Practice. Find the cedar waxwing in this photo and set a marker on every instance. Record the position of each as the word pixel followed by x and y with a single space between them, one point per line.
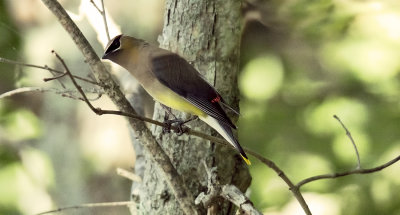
pixel 172 81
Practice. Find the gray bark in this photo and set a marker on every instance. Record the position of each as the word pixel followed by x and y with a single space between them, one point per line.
pixel 206 33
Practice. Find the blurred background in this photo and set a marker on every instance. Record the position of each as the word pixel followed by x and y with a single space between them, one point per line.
pixel 302 62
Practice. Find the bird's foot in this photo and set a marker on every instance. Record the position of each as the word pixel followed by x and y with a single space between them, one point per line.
pixel 181 129
pixel 168 124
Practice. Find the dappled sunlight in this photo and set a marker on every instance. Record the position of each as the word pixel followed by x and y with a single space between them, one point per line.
pixel 326 204
pixel 319 120
pixel 344 150
pixel 351 196
pixel 251 111
pixel 32 198
pixel 261 78
pixel 382 191
pixel 111 146
pixel 21 125
pixel 314 59
pixel 302 89
pixel 19 190
pixel 390 23
pixel 370 50
pixel 79 149
pixel 8 185
pixel 368 59
pixel 390 88
pixel 89 12
pixel 39 167
pixel 392 176
pixel 308 165
pixel 271 189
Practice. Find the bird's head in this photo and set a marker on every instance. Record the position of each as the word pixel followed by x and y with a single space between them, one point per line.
pixel 122 49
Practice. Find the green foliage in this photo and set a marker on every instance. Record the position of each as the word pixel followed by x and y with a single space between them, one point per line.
pixel 9 43
pixel 339 57
pixel 310 60
pixel 21 125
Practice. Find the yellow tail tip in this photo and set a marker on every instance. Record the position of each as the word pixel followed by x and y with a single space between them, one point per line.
pixel 246 160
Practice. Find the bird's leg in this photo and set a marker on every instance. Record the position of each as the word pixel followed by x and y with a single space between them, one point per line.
pixel 190 119
pixel 180 124
pixel 168 111
pixel 166 129
pixel 167 121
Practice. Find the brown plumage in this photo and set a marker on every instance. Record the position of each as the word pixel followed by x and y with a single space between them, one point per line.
pixel 172 81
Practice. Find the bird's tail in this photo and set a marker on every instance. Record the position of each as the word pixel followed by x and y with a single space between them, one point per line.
pixel 226 132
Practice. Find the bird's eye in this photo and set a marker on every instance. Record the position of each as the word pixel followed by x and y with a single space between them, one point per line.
pixel 115 44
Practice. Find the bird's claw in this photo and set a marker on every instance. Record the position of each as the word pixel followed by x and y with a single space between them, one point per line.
pixel 166 128
pixel 181 129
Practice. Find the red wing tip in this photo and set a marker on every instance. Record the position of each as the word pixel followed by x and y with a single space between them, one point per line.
pixel 216 99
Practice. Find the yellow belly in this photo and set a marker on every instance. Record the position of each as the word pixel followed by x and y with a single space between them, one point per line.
pixel 169 98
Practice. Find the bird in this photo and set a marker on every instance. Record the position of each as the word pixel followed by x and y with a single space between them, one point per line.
pixel 174 82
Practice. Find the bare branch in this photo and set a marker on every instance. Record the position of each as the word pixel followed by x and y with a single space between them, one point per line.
pixel 99 111
pixel 64 93
pixel 4 60
pixel 90 205
pixel 359 170
pixel 68 93
pixel 172 177
pixel 228 192
pixel 54 78
pixel 295 190
pixel 103 14
pixel 234 195
pixel 160 159
pixel 129 175
pixel 351 139
pixel 352 172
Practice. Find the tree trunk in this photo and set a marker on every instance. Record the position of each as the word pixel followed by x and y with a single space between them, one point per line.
pixel 207 34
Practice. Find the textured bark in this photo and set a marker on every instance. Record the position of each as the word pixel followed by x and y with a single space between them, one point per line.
pixel 206 33
pixel 158 157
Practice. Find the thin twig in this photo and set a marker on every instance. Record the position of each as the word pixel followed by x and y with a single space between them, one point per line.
pixel 118 98
pixel 99 111
pixel 54 78
pixel 90 205
pixel 295 190
pixel 79 88
pixel 168 172
pixel 351 139
pixel 103 14
pixel 161 160
pixel 129 175
pixel 352 172
pixel 269 163
pixel 4 60
pixel 105 20
pixel 65 93
pixel 58 80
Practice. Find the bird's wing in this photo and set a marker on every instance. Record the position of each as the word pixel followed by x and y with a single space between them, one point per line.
pixel 182 78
